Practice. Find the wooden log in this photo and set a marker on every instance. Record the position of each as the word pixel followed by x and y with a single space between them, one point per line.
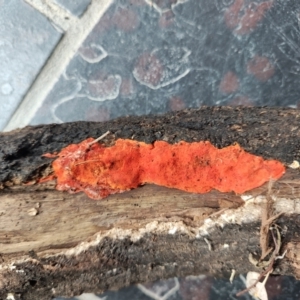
pixel 59 244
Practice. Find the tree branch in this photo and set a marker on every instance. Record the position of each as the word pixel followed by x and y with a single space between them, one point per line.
pixel 55 243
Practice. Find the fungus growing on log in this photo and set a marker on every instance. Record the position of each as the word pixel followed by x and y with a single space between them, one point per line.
pixel 195 167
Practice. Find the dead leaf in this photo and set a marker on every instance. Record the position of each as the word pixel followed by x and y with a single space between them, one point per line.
pixel 259 290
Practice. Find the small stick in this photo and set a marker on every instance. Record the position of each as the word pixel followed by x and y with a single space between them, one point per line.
pixel 87 161
pixel 208 244
pixel 281 256
pixel 100 138
pixel 218 212
pixel 90 144
pixel 232 275
pixel 265 273
pixel 269 270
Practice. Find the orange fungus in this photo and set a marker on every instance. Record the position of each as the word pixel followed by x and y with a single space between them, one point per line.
pixel 194 167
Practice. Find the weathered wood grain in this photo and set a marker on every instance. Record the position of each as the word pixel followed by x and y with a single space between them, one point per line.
pixel 54 243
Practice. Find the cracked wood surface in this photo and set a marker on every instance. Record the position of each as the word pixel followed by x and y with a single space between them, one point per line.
pixel 54 243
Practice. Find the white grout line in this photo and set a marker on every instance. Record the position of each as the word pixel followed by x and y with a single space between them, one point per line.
pixel 55 13
pixel 56 64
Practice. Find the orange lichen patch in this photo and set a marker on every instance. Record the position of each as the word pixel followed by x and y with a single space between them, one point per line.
pixel 261 68
pixel 245 17
pixel 176 103
pixel 194 167
pixel 50 155
pixel 28 183
pixel 229 83
pixel 47 178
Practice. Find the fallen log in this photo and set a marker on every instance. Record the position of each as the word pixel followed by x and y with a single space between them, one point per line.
pixel 59 244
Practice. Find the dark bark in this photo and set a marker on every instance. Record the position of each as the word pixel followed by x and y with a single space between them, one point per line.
pixel 148 233
pixel 268 132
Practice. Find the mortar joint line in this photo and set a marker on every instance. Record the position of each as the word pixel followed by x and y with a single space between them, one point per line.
pixel 59 16
pixel 78 30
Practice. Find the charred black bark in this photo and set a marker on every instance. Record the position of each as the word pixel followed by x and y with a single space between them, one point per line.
pixel 268 132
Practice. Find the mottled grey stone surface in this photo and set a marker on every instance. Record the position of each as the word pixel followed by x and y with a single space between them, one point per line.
pixel 26 40
pixel 199 288
pixel 76 7
pixel 152 56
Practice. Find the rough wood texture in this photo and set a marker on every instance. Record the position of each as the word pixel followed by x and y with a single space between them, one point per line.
pixel 54 243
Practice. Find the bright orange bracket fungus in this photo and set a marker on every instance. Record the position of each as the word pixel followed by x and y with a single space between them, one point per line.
pixel 194 167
